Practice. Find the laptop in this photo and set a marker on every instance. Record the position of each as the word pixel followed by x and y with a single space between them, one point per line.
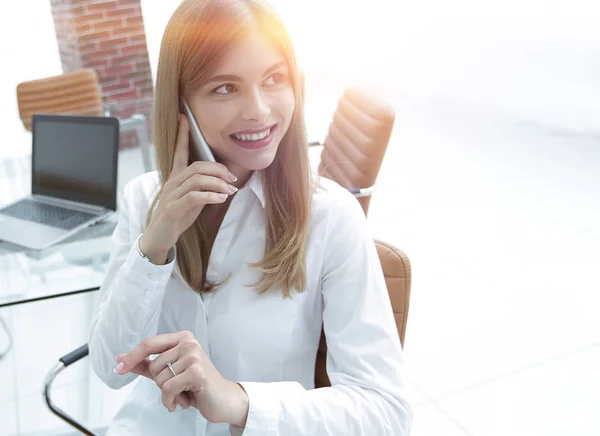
pixel 73 180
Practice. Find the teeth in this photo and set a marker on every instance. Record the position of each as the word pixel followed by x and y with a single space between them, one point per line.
pixel 253 136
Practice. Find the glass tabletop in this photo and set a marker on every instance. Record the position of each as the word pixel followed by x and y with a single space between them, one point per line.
pixel 74 265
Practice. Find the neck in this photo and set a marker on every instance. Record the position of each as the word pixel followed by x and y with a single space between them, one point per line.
pixel 242 174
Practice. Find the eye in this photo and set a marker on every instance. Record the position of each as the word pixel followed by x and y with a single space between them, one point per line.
pixel 275 79
pixel 228 88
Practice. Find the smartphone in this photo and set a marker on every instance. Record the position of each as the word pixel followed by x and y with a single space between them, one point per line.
pixel 203 151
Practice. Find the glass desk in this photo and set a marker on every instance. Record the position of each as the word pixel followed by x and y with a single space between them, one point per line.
pixel 73 266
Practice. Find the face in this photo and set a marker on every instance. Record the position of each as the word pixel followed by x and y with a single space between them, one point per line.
pixel 246 106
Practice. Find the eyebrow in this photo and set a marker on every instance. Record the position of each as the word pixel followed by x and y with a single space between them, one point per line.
pixel 234 78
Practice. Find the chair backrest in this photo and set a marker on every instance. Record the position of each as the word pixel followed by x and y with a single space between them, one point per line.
pixel 352 156
pixel 76 93
pixel 356 141
pixel 396 269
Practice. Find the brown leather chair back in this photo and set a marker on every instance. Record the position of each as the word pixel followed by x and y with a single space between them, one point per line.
pixel 357 140
pixel 76 93
pixel 352 155
pixel 396 269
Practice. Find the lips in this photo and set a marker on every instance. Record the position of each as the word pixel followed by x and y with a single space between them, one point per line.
pixel 252 135
pixel 254 139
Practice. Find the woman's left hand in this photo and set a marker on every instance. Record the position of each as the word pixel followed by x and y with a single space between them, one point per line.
pixel 197 382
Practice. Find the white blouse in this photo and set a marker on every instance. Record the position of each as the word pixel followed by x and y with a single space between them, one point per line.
pixel 263 341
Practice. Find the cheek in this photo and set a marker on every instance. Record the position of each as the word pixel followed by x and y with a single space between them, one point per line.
pixel 215 119
pixel 286 105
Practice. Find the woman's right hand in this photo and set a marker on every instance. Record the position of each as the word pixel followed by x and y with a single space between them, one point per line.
pixel 184 195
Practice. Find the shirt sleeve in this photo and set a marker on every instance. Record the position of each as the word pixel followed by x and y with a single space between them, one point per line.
pixel 364 361
pixel 130 295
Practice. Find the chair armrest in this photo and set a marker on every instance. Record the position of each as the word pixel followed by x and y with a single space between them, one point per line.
pixel 357 192
pixel 64 362
pixel 75 355
pixel 363 192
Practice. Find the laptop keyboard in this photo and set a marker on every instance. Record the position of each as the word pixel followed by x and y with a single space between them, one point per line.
pixel 47 214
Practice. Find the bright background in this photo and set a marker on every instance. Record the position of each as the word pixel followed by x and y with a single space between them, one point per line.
pixel 490 185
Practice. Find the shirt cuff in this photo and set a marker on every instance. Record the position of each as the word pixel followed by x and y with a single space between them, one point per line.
pixel 143 272
pixel 263 410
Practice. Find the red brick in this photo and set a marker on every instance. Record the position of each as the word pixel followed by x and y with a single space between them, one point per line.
pixel 98 64
pixel 128 2
pixel 102 6
pixel 118 71
pixel 84 28
pixel 137 75
pixel 109 36
pixel 100 54
pixel 113 42
pixel 88 48
pixel 122 95
pixel 137 48
pixel 122 86
pixel 136 29
pixel 143 64
pixel 131 58
pixel 124 12
pixel 140 37
pixel 88 18
pixel 93 36
pixel 147 91
pixel 78 11
pixel 130 21
pixel 144 81
pixel 107 24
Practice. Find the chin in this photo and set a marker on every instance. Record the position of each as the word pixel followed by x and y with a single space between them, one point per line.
pixel 257 163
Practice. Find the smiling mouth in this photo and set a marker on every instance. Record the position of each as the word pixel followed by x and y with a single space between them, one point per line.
pixel 247 137
pixel 253 141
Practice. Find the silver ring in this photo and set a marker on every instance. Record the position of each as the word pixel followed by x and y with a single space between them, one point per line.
pixel 170 365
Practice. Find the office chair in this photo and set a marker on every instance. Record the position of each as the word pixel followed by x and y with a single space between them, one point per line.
pixel 76 93
pixel 355 145
pixel 352 154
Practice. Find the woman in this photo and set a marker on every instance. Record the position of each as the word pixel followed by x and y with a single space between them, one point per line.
pixel 226 271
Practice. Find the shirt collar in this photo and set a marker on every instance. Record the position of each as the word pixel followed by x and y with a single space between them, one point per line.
pixel 255 184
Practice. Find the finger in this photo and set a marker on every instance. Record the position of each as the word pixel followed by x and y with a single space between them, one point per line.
pixel 214 169
pixel 159 364
pixel 200 182
pixel 182 150
pixel 153 345
pixel 194 199
pixel 164 374
pixel 177 385
pixel 143 368
pixel 169 402
pixel 184 400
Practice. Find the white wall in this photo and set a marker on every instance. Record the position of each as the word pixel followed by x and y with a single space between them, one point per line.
pixel 529 60
pixel 28 50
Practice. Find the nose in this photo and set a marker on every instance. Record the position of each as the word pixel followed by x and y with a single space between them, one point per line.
pixel 256 107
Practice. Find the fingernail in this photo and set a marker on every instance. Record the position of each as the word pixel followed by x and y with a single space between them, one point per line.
pixel 233 188
pixel 222 197
pixel 119 367
pixel 232 177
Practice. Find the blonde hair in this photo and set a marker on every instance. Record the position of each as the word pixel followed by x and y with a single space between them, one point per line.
pixel 197 36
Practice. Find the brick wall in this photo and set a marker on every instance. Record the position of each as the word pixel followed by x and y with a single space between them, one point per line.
pixel 108 36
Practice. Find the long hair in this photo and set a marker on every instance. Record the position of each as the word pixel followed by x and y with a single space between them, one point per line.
pixel 197 36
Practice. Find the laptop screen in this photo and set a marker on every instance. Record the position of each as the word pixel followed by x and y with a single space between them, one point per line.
pixel 75 158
